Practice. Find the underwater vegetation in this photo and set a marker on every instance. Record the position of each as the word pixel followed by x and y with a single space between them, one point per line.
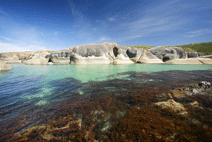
pixel 122 111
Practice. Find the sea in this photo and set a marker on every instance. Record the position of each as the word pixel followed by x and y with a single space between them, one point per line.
pixel 32 94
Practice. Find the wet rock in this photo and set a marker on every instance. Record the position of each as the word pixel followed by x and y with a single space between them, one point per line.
pixel 164 96
pixel 178 107
pixel 195 104
pixel 195 91
pixel 205 84
pixel 178 93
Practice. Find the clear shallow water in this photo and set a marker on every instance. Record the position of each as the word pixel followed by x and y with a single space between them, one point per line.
pixel 25 88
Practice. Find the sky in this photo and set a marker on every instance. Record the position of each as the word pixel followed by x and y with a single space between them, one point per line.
pixel 33 25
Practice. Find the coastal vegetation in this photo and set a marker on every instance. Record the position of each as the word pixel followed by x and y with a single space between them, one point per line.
pixel 205 48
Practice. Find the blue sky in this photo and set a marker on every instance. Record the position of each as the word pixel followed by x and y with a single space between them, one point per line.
pixel 32 25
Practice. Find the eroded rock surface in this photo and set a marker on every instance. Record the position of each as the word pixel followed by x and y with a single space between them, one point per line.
pixel 4 66
pixel 38 58
pixel 168 53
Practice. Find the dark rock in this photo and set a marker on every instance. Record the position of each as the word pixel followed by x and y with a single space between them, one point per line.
pixel 168 53
pixel 192 54
pixel 204 84
pixel 159 51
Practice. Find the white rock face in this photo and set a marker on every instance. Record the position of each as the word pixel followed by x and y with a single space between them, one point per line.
pixel 37 61
pixel 184 61
pixel 4 66
pixel 206 61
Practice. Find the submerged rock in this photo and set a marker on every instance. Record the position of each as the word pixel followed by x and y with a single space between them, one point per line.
pixel 4 66
pixel 205 84
pixel 178 107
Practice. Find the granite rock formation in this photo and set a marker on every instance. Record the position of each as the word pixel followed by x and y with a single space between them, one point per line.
pixel 60 57
pixel 15 57
pixel 168 53
pixel 110 53
pixel 4 66
pixel 90 54
pixel 38 58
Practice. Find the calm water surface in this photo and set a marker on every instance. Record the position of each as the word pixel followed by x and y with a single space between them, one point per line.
pixel 25 90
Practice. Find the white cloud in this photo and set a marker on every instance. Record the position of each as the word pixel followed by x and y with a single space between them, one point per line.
pixel 198 32
pixel 111 19
pixel 155 19
pixel 8 47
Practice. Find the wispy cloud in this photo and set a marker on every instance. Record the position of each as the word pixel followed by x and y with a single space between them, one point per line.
pixel 156 20
pixel 9 47
pixel 111 19
pixel 3 12
pixel 55 33
pixel 198 32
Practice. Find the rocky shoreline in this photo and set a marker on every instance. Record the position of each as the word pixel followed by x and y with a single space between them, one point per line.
pixel 105 53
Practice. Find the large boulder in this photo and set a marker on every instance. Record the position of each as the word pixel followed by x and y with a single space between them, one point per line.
pixel 192 55
pixel 38 58
pixel 168 53
pixel 121 56
pixel 10 57
pixel 105 53
pixel 36 61
pixel 140 55
pixel 90 54
pixel 159 51
pixel 19 57
pixel 4 66
pixel 61 56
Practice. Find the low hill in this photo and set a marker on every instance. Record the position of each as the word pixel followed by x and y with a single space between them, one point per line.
pixel 205 48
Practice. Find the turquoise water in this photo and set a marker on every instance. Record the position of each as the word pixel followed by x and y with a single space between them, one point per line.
pixel 86 73
pixel 24 88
